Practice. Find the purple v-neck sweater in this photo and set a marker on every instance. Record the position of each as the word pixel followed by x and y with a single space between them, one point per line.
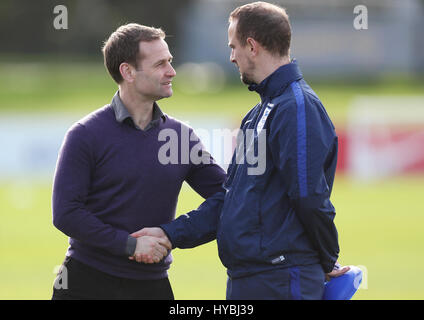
pixel 109 183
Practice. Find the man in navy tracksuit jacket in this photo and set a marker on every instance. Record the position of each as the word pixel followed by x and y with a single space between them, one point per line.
pixel 273 225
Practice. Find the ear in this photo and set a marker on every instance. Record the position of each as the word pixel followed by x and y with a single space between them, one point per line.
pixel 253 46
pixel 127 71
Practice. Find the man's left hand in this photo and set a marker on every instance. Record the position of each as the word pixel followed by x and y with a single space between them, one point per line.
pixel 338 271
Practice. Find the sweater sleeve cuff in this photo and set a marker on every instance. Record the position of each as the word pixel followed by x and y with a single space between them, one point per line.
pixel 130 247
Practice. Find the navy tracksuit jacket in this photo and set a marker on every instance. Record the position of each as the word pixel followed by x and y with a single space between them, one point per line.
pixel 281 217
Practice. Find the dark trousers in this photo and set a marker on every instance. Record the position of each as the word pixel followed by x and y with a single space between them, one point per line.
pixel 296 283
pixel 82 282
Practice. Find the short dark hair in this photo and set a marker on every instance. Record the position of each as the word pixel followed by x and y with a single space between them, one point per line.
pixel 123 46
pixel 267 23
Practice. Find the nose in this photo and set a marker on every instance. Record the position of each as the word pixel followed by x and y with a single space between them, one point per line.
pixel 171 72
pixel 232 57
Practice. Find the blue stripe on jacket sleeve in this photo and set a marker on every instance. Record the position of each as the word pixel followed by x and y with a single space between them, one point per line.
pixel 301 139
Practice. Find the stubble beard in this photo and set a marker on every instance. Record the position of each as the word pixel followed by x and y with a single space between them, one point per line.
pixel 246 77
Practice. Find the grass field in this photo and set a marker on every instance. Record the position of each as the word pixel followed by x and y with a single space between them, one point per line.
pixel 380 227
pixel 380 223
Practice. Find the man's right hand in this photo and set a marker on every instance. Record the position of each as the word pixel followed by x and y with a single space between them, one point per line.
pixel 150 249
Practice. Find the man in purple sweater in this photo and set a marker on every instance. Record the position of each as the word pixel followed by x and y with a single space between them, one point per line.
pixel 110 179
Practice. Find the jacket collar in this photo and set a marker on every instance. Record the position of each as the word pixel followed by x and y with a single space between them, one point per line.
pixel 277 81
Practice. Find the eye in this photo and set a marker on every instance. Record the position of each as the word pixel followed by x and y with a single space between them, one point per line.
pixel 163 62
pixel 160 63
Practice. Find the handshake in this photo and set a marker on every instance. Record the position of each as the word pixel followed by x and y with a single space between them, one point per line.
pixel 152 245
